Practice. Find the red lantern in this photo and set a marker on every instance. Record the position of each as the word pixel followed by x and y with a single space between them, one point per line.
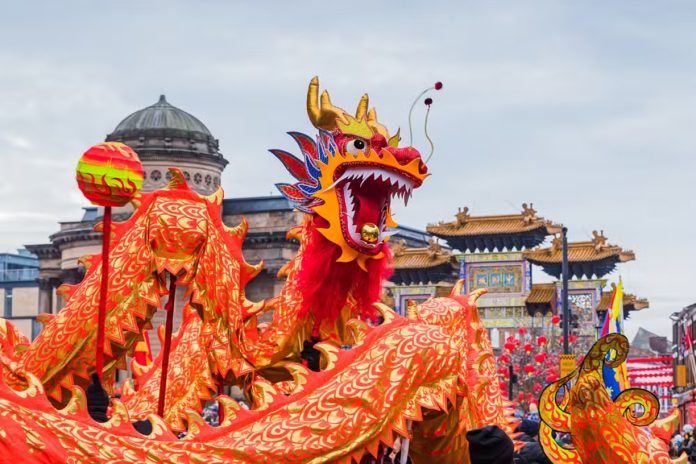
pixel 516 368
pixel 109 174
pixel 555 319
pixel 520 397
pixel 504 358
pixel 503 386
pixel 537 387
pixel 528 368
pixel 510 347
pixel 572 338
pixel 541 340
pixel 540 357
pixel 528 347
pixel 551 378
pixel 522 330
pixel 506 374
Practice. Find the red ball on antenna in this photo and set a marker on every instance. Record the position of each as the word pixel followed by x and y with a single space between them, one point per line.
pixel 438 85
pixel 428 101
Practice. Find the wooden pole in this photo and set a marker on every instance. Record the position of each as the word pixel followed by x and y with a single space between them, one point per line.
pixel 564 294
pixel 169 326
pixel 101 317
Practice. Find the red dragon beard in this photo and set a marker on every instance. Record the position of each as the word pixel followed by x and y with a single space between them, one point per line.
pixel 327 285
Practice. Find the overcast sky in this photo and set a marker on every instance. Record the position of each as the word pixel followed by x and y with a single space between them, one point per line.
pixel 587 109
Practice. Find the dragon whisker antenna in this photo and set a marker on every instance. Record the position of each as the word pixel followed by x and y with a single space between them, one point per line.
pixel 428 102
pixel 437 86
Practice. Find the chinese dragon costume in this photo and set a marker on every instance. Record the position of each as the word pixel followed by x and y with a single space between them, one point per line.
pixel 429 377
pixel 622 431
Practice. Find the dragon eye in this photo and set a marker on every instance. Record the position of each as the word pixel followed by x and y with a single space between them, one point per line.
pixel 354 146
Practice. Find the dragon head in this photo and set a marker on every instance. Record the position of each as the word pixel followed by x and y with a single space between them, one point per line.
pixel 349 176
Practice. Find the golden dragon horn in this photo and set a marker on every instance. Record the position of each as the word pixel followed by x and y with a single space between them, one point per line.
pixel 362 107
pixel 323 114
pixel 373 124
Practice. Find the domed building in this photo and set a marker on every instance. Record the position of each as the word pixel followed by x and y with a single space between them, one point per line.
pixel 164 136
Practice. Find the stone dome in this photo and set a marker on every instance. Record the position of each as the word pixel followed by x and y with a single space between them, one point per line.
pixel 165 136
pixel 161 115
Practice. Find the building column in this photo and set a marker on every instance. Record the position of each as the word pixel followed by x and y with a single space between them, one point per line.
pixel 46 295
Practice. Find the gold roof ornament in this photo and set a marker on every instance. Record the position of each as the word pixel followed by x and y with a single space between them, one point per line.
pixel 434 248
pixel 462 215
pixel 398 248
pixel 599 240
pixel 528 213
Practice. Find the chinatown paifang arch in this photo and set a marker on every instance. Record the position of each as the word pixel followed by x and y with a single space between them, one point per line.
pixel 334 376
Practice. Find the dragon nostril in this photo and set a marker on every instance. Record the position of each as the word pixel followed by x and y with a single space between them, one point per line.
pixel 422 167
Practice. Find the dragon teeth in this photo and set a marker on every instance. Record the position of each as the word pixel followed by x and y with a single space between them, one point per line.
pixel 399 186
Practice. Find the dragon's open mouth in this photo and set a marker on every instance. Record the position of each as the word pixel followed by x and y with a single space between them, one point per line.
pixel 365 191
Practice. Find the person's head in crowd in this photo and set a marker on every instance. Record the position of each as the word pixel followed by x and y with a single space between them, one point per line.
pixel 532 453
pixel 490 445
pixel 529 428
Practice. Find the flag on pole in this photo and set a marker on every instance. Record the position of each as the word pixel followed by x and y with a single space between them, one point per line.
pixel 689 350
pixel 615 378
pixel 688 343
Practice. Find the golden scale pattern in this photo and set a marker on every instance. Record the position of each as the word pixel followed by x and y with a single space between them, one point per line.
pixel 370 392
pixel 434 371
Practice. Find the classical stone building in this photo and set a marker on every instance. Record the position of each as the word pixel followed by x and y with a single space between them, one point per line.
pixel 165 136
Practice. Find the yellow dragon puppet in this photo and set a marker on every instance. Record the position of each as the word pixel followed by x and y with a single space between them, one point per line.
pixel 604 431
pixel 429 377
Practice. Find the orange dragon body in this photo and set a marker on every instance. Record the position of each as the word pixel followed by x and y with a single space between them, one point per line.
pixel 430 377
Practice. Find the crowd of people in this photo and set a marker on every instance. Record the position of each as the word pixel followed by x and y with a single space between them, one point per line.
pixel 684 442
